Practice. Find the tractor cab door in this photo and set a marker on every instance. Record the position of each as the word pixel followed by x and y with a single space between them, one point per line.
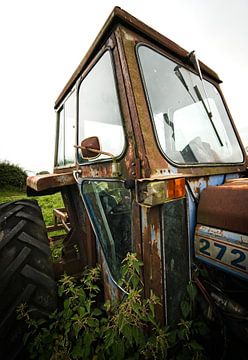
pixel 103 165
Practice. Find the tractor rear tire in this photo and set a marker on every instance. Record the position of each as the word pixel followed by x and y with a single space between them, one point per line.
pixel 26 273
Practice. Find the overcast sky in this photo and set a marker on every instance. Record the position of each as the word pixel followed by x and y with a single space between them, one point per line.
pixel 43 41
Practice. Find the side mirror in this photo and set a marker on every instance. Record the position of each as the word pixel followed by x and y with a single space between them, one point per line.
pixel 90 148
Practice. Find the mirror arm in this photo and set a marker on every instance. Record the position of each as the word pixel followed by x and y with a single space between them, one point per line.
pixel 115 166
pixel 95 151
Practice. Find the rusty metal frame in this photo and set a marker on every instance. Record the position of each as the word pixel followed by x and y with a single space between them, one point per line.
pixel 41 183
pixel 117 17
pixel 60 222
pixel 109 47
pixel 215 83
pixel 158 164
pixel 60 216
pixel 125 33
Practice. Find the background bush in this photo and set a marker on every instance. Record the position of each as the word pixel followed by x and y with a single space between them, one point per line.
pixel 12 175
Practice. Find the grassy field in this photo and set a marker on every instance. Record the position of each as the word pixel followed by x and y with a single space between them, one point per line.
pixel 47 203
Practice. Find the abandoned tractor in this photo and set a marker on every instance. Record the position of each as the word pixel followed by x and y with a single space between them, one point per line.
pixel 148 160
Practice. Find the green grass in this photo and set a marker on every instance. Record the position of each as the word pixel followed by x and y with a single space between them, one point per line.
pixel 47 204
pixel 10 193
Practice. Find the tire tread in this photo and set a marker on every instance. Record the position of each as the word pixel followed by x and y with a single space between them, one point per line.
pixel 26 273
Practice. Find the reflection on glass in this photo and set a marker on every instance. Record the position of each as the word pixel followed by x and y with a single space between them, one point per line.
pixel 109 207
pixel 70 128
pixel 61 146
pixel 99 112
pixel 67 132
pixel 190 127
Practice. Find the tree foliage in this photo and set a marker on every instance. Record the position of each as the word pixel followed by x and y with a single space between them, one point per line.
pixel 12 175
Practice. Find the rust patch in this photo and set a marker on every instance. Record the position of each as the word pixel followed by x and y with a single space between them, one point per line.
pixel 72 267
pixel 153 271
pixel 148 153
pixel 43 182
pixel 119 16
pixel 225 207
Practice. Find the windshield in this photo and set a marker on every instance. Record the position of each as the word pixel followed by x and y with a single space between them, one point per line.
pixel 190 122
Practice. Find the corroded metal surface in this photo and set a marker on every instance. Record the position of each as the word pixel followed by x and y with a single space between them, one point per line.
pixel 79 243
pixel 72 267
pixel 43 182
pixel 60 216
pixel 152 256
pixel 225 207
pixel 153 163
pixel 128 166
pixel 149 154
pixel 142 157
pixel 119 16
pixel 60 222
pixel 134 132
pixel 159 233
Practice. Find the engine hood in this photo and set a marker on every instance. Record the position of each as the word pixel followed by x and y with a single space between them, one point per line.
pixel 225 206
pixel 221 234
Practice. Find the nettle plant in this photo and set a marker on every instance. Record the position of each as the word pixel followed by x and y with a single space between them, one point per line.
pixel 84 328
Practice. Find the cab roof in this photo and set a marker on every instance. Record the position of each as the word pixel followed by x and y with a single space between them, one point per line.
pixel 120 17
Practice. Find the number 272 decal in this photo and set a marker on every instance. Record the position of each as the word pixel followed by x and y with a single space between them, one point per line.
pixel 226 254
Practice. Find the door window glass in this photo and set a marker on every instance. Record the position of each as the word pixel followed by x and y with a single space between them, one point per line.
pixel 99 111
pixel 109 207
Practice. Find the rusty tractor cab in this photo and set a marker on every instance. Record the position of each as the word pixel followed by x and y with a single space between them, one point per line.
pixel 148 160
